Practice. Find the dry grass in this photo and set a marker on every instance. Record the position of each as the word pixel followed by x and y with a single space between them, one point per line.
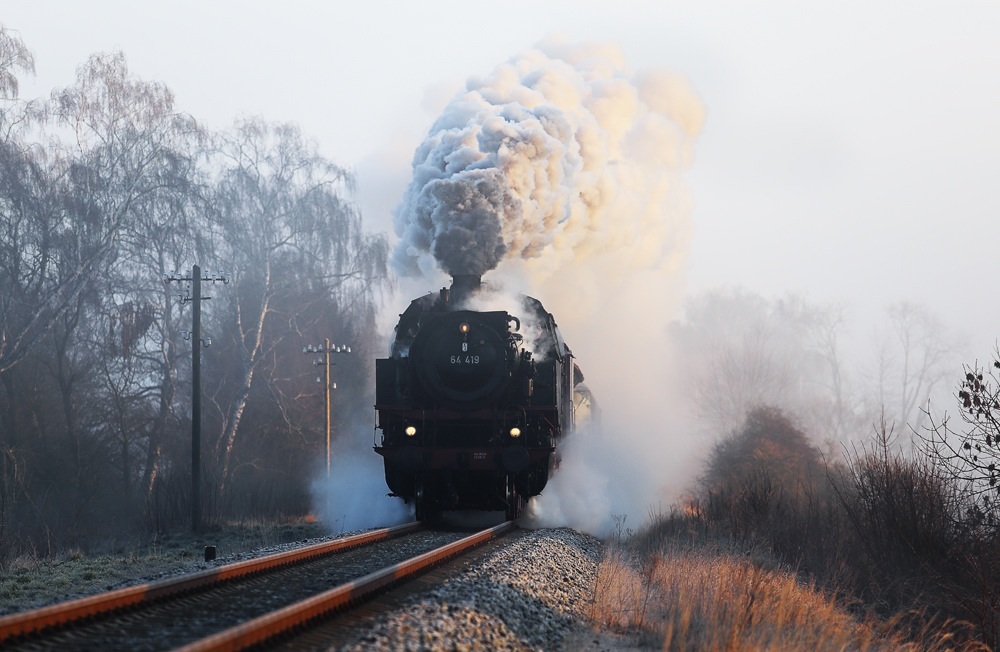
pixel 691 598
pixel 882 530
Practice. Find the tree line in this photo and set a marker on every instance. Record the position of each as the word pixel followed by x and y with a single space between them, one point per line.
pixel 743 351
pixel 106 190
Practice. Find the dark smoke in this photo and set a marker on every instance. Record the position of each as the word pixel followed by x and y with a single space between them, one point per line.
pixel 467 210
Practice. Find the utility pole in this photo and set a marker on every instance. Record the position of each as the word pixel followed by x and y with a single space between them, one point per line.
pixel 326 350
pixel 195 334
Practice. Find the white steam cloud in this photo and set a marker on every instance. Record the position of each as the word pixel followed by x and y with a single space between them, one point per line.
pixel 353 497
pixel 554 156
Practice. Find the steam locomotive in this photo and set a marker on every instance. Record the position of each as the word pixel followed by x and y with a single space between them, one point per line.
pixel 470 406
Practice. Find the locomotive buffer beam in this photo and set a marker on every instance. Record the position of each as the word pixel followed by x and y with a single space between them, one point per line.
pixel 509 459
pixel 444 414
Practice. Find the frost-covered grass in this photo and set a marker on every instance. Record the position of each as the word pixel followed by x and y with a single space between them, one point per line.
pixel 31 581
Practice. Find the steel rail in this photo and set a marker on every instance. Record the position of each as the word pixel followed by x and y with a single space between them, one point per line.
pixel 261 629
pixel 63 613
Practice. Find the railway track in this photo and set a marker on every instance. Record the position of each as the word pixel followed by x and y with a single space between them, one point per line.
pixel 239 605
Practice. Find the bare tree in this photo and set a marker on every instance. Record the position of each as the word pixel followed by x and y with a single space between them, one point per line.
pixel 14 55
pixel 284 227
pixel 912 361
pixel 743 351
pixel 15 114
pixel 967 460
pixel 128 169
pixel 84 217
pixel 123 191
pixel 164 234
pixel 122 135
pixel 840 408
pixel 970 456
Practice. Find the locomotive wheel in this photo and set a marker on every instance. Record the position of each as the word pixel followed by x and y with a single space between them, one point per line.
pixel 515 501
pixel 425 512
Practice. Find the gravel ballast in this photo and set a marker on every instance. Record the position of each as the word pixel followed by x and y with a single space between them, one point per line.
pixel 531 594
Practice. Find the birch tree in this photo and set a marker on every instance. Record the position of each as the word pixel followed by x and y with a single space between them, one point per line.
pixel 285 227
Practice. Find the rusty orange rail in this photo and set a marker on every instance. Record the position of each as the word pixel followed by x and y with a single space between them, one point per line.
pixel 277 622
pixel 67 612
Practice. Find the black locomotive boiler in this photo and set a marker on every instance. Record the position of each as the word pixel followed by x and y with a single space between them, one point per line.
pixel 470 408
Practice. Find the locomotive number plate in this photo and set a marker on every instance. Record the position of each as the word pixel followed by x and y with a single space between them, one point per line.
pixel 479 455
pixel 465 359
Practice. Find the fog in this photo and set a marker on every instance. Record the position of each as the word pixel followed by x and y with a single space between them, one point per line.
pixel 848 154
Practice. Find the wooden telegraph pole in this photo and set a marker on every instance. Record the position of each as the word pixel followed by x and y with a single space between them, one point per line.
pixel 326 350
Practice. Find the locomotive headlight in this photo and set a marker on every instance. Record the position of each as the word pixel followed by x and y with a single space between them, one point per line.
pixel 410 431
pixel 463 328
pixel 515 432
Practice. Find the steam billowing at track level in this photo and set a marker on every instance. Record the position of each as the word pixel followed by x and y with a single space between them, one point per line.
pixel 556 155
pixel 470 414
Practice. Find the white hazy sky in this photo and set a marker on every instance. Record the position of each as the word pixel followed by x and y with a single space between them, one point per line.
pixel 851 150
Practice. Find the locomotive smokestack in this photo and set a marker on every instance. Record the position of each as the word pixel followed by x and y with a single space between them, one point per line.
pixel 464 286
